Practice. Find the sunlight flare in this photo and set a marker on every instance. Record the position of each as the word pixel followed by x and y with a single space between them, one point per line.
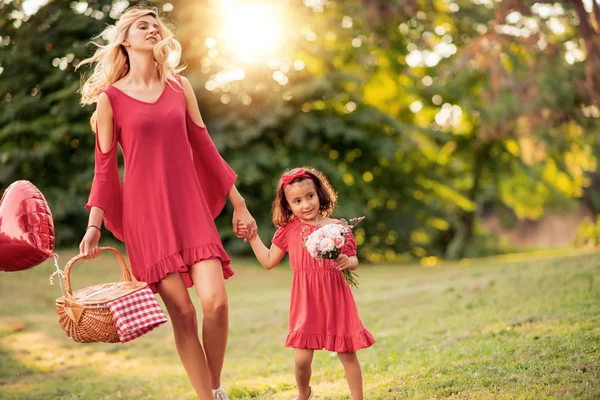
pixel 252 32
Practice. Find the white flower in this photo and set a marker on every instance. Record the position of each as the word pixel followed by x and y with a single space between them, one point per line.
pixel 326 244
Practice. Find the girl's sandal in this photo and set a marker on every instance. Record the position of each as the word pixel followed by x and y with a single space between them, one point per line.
pixel 310 394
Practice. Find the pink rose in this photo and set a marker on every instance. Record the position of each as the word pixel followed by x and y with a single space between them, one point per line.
pixel 311 246
pixel 339 242
pixel 326 245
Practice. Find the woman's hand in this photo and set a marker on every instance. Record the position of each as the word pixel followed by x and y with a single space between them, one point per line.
pixel 244 225
pixel 89 244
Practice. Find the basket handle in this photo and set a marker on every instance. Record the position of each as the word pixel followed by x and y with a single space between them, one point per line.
pixel 126 277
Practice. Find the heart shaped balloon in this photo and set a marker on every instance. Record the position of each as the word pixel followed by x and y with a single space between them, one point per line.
pixel 26 227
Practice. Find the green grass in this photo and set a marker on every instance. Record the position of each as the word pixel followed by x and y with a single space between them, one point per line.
pixel 502 328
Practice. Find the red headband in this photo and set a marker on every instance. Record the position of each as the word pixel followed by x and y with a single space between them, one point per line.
pixel 287 179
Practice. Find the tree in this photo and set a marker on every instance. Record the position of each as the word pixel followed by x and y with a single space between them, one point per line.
pixel 422 114
pixel 310 105
pixel 499 80
pixel 45 136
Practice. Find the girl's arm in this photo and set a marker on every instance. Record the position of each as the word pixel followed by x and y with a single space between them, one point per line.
pixel 268 258
pixel 345 262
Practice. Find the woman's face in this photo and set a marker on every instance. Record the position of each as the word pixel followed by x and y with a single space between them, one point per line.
pixel 143 34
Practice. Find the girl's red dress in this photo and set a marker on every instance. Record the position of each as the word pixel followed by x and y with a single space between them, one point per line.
pixel 323 313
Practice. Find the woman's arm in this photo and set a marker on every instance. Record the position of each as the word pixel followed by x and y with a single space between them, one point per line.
pixel 268 258
pixel 244 225
pixel 89 244
pixel 91 238
pixel 105 123
pixel 96 215
pixel 191 102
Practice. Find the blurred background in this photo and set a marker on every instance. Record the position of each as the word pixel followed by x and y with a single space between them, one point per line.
pixel 462 129
pixel 458 128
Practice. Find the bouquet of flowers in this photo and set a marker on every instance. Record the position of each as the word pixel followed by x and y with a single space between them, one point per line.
pixel 327 242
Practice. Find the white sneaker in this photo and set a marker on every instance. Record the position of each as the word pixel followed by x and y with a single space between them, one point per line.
pixel 220 394
pixel 310 394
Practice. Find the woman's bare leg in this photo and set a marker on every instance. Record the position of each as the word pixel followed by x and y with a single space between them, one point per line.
pixel 210 287
pixel 185 327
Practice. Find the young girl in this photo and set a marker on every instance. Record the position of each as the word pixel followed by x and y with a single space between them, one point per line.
pixel 323 314
pixel 176 183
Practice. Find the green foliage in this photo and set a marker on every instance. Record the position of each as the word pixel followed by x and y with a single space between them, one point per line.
pixel 588 234
pixel 421 114
pixel 521 130
pixel 45 136
pixel 320 118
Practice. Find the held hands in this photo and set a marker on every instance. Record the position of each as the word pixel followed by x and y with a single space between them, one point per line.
pixel 343 262
pixel 244 225
pixel 89 244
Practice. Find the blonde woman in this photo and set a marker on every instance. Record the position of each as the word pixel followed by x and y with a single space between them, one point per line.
pixel 175 184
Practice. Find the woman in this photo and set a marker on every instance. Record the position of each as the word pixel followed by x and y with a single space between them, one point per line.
pixel 175 184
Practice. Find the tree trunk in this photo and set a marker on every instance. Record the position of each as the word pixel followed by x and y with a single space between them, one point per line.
pixel 465 235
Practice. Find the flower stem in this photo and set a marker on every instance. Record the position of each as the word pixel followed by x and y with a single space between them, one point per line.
pixel 350 277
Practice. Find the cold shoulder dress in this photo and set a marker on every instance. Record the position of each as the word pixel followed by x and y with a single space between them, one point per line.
pixel 174 186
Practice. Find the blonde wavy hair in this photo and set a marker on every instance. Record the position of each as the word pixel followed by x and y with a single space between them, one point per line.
pixel 112 62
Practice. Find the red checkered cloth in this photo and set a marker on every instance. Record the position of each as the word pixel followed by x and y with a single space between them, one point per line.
pixel 136 314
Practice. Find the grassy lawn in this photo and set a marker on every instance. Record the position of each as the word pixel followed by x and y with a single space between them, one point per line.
pixel 505 328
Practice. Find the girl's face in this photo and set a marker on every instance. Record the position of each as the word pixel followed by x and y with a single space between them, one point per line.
pixel 303 200
pixel 143 34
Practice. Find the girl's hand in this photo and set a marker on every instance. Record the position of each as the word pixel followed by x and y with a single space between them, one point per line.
pixel 245 232
pixel 343 262
pixel 89 244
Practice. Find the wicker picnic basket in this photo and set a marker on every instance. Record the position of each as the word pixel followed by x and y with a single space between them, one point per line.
pixel 84 314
